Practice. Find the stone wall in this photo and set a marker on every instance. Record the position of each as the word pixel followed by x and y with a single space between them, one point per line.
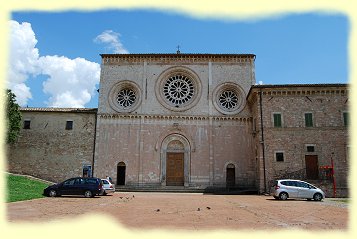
pixel 138 140
pixel 47 150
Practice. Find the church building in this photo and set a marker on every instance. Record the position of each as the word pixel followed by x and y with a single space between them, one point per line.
pixel 191 122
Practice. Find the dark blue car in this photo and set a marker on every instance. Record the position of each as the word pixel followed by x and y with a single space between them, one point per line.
pixel 89 187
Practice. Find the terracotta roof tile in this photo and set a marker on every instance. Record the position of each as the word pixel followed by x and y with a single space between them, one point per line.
pixel 66 110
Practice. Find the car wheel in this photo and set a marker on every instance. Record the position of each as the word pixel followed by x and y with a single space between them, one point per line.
pixel 88 194
pixel 52 193
pixel 317 197
pixel 104 193
pixel 283 196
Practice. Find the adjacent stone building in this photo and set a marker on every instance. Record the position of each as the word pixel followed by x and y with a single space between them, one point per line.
pixel 54 143
pixel 191 121
pixel 300 131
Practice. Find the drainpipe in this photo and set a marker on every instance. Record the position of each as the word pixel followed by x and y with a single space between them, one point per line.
pixel 262 138
pixel 94 141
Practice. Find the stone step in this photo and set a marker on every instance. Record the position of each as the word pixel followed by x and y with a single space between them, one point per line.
pixel 179 189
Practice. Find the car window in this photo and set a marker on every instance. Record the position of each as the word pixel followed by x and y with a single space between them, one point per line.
pixel 69 182
pixel 79 181
pixel 290 183
pixel 90 181
pixel 311 186
pixel 105 182
pixel 302 185
pixel 293 183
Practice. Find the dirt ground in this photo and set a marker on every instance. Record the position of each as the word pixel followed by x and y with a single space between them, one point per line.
pixel 190 211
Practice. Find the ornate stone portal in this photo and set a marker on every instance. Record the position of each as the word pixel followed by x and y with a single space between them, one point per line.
pixel 172 145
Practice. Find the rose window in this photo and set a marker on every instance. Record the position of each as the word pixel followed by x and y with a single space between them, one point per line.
pixel 228 99
pixel 126 97
pixel 179 89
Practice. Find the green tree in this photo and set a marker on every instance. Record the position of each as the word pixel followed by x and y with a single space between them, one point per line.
pixel 13 117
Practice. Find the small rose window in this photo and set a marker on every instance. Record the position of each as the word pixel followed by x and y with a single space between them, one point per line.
pixel 125 96
pixel 229 98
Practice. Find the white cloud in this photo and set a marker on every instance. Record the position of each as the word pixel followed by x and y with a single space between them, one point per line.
pixel 23 60
pixel 70 82
pixel 112 39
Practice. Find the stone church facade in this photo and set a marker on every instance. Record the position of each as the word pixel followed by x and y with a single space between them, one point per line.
pixel 190 121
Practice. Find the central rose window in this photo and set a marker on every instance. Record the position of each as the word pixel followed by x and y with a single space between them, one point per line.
pixel 179 89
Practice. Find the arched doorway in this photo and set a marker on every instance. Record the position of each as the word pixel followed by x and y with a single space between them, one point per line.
pixel 175 163
pixel 175 158
pixel 230 175
pixel 121 167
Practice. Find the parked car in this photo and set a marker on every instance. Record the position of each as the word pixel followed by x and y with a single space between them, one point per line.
pixel 89 187
pixel 289 188
pixel 108 187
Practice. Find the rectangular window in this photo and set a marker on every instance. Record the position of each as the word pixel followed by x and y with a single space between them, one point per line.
pixel 310 148
pixel 277 119
pixel 69 125
pixel 308 120
pixel 279 156
pixel 27 124
pixel 345 118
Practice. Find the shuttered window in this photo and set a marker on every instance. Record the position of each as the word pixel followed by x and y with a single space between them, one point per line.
pixel 277 119
pixel 345 118
pixel 308 120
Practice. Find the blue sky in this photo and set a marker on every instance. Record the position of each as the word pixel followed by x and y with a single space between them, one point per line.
pixel 296 48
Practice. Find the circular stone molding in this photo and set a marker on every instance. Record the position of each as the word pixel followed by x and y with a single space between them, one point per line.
pixel 125 96
pixel 178 89
pixel 229 98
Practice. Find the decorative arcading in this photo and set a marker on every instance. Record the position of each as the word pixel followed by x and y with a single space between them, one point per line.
pixel 306 92
pixel 182 58
pixel 174 117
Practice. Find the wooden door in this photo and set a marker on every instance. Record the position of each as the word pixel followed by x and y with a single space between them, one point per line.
pixel 174 169
pixel 312 169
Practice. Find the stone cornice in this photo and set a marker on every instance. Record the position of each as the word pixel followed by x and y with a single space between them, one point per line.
pixel 298 90
pixel 113 59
